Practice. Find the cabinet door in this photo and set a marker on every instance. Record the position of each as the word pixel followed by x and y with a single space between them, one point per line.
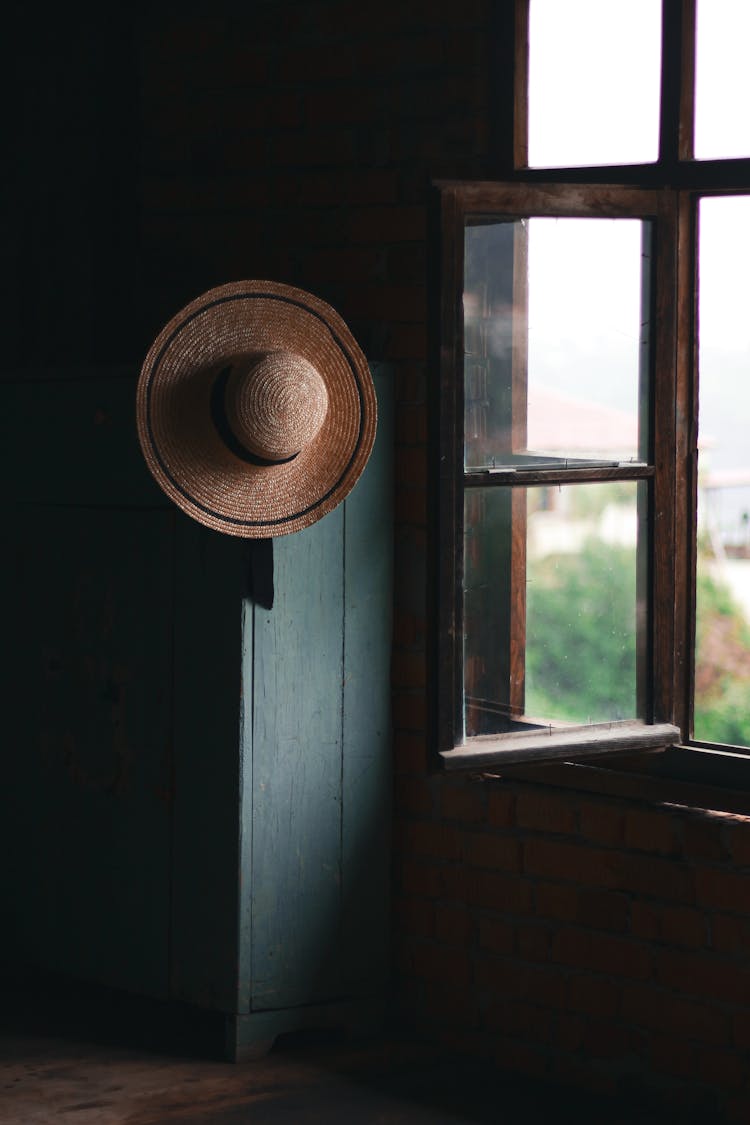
pixel 317 753
pixel 297 662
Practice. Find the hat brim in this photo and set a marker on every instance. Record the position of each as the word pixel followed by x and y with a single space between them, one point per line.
pixel 184 448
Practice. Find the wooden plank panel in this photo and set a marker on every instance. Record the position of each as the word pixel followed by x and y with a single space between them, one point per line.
pixel 89 817
pixel 368 583
pixel 296 786
pixel 209 575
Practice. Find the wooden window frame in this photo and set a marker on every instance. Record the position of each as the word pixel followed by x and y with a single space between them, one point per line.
pixel 671 187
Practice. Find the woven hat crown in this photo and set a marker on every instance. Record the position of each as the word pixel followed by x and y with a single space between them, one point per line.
pixel 277 406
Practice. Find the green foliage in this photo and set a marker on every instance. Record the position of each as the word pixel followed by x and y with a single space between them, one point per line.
pixel 725 716
pixel 722 674
pixel 581 635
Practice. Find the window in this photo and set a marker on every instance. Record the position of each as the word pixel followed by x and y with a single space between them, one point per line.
pixel 580 535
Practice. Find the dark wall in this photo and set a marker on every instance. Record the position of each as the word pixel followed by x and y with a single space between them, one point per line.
pixel 597 938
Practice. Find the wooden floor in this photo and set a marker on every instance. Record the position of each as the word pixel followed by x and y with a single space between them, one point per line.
pixel 71 1082
pixel 73 1062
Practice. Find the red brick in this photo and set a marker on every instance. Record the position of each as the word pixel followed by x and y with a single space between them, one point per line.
pixel 600 952
pixel 406 261
pixel 730 934
pixel 439 962
pixel 513 1017
pixel 348 263
pixel 593 995
pixel 673 1056
pixel 406 341
pixel 411 464
pixel 737 1108
pixel 739 841
pixel 388 301
pixel 319 188
pixel 509 978
pixel 434 839
pixel 741 1030
pixel 411 508
pixel 405 628
pixel 573 862
pixel 651 831
pixel 603 910
pixel 520 1058
pixel 556 900
pixel 314 147
pixel 606 1040
pixel 492 890
pixel 446 1002
pixel 409 710
pixel 570 1072
pixel 653 877
pixel 496 934
pixel 484 849
pixel 703 975
pixel 314 63
pixel 467 803
pixel 672 925
pixel 411 423
pixel 412 795
pixel 410 752
pixel 533 941
pixel 723 1068
pixel 723 890
pixel 416 916
pixel 203 193
pixel 412 52
pixel 570 1031
pixel 408 669
pixel 453 924
pixel 601 823
pixel 660 1010
pixel 410 382
pixel 459 1041
pixel 428 96
pixel 705 838
pixel 387 224
pixel 545 812
pixel 359 105
pixel 426 880
pixel 500 808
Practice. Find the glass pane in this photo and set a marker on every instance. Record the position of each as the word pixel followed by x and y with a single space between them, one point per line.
pixel 556 340
pixel 722 662
pixel 594 82
pixel 722 79
pixel 554 613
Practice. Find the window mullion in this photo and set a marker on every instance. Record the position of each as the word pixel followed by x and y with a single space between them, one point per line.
pixel 686 412
pixel 521 86
pixel 669 562
pixel 686 126
pixel 677 84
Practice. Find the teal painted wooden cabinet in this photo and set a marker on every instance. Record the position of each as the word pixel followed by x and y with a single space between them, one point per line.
pixel 197 798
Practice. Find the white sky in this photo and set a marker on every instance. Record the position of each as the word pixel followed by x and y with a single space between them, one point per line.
pixel 594 81
pixel 594 99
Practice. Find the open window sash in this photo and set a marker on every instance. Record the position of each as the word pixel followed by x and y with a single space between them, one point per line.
pixel 549 471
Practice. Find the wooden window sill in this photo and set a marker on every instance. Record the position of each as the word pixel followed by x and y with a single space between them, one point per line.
pixel 559 744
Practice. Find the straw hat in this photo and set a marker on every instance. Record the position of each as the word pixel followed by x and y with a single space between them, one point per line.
pixel 256 410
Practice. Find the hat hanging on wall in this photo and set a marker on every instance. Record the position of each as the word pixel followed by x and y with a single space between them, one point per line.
pixel 256 409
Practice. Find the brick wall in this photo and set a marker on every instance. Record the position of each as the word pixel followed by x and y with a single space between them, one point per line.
pixel 597 940
pixel 594 940
pixel 590 939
